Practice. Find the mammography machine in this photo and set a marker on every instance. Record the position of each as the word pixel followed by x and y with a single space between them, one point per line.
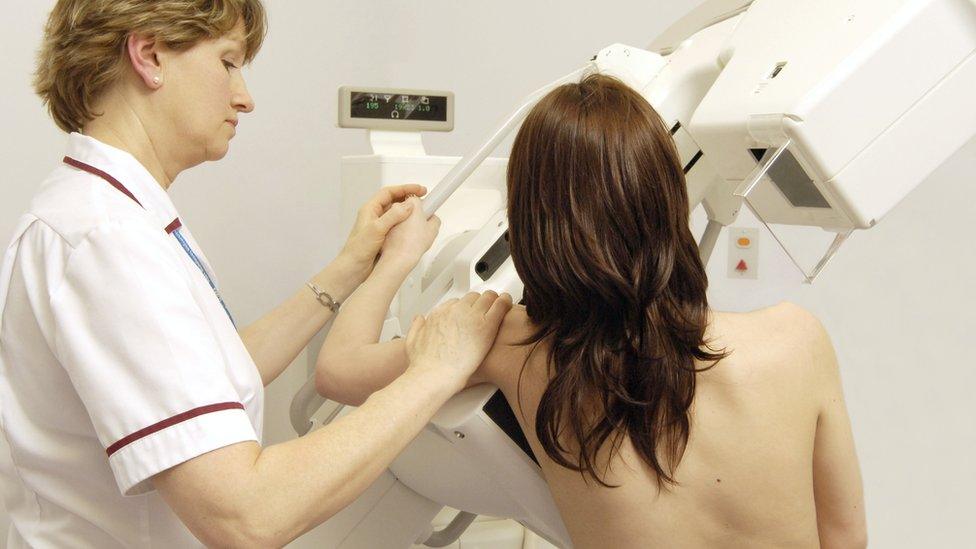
pixel 817 115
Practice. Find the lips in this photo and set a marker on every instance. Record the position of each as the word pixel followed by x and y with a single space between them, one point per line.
pixel 232 123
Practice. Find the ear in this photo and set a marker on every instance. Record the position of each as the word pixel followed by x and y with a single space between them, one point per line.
pixel 143 56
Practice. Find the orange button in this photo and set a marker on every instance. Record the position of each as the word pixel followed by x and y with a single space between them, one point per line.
pixel 744 242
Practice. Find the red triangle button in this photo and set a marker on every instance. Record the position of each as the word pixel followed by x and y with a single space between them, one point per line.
pixel 742 265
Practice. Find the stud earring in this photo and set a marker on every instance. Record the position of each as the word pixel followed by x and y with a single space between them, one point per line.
pixel 157 80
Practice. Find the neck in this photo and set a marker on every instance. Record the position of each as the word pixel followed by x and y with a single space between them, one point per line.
pixel 121 127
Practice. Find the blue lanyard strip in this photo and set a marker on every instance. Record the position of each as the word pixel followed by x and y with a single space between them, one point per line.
pixel 199 264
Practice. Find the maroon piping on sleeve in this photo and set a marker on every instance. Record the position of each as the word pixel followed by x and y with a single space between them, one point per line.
pixel 178 418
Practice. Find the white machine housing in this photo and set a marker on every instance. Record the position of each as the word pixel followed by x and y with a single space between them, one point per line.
pixel 871 96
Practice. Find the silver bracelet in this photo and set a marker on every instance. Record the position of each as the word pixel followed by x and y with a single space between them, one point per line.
pixel 324 297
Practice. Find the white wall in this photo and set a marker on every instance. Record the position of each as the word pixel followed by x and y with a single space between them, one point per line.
pixel 897 299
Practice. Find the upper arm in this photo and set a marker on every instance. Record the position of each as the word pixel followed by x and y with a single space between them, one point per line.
pixel 142 356
pixel 504 361
pixel 210 494
pixel 837 483
pixel 350 377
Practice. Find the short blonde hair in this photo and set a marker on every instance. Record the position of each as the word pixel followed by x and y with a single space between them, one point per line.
pixel 83 52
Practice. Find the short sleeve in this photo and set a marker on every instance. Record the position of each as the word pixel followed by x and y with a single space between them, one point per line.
pixel 141 355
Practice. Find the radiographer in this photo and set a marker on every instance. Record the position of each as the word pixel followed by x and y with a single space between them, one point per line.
pixel 131 402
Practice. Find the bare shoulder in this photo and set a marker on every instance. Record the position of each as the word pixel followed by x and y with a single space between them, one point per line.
pixel 784 324
pixel 796 322
pixel 803 330
pixel 785 337
pixel 506 358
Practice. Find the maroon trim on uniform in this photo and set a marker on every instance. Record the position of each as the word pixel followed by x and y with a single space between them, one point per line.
pixel 95 171
pixel 173 226
pixel 178 418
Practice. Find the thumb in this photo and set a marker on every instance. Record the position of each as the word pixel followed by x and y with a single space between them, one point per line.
pixel 415 327
pixel 433 226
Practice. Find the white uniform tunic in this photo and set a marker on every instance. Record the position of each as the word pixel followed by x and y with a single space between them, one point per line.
pixel 117 359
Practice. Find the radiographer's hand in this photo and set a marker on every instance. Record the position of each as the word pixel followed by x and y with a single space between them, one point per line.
pixel 408 241
pixel 453 339
pixel 374 221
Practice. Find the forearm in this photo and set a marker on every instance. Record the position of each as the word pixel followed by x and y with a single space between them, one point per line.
pixel 352 363
pixel 301 483
pixel 275 339
pixel 361 319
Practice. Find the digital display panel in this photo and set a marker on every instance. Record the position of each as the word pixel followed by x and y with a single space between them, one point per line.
pixel 388 106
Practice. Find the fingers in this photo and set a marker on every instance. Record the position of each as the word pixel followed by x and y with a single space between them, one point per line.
pixel 399 192
pixel 499 308
pixel 455 337
pixel 489 304
pixel 387 196
pixel 484 302
pixel 470 298
pixel 396 214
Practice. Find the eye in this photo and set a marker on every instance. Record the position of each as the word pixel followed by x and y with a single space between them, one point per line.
pixel 228 65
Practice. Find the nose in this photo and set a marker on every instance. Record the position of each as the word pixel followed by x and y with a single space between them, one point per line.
pixel 241 99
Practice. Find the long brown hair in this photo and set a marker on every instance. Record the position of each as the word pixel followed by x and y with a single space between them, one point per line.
pixel 598 222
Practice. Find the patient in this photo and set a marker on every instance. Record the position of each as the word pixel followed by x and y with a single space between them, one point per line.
pixel 657 421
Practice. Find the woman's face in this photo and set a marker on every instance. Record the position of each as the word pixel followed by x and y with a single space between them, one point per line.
pixel 203 94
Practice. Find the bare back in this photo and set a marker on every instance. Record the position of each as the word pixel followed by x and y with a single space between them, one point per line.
pixel 770 447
